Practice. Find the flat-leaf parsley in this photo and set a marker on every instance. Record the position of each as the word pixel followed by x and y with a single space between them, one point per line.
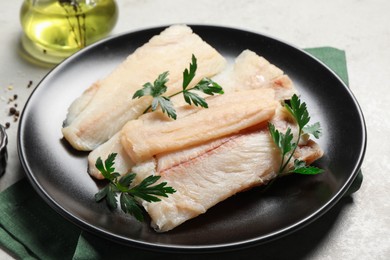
pixel 284 141
pixel 158 89
pixel 127 195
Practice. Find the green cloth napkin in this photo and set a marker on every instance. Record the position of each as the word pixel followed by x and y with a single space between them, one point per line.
pixel 30 229
pixel 333 58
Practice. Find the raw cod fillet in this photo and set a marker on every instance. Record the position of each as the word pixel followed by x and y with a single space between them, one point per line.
pixel 226 114
pixel 249 71
pixel 107 105
pixel 210 173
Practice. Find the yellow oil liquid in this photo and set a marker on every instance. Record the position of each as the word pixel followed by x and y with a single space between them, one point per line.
pixel 54 30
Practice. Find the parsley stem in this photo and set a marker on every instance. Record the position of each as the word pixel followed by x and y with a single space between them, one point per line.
pixel 283 166
pixel 283 163
pixel 177 93
pixel 146 110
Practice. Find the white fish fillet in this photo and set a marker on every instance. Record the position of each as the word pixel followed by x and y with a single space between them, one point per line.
pixel 249 71
pixel 208 174
pixel 226 114
pixel 104 108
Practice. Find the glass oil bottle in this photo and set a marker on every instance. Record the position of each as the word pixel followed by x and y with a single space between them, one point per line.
pixel 55 29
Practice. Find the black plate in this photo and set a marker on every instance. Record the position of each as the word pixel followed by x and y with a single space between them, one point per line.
pixel 59 174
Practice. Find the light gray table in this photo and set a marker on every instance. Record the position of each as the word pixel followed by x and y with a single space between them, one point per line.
pixel 361 227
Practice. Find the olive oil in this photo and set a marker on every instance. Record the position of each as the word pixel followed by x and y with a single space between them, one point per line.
pixel 55 29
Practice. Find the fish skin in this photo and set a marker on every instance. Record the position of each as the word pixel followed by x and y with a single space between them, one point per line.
pixel 102 115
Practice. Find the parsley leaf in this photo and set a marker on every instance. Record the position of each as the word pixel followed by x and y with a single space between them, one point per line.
pixel 107 169
pixel 194 98
pixel 298 110
pixel 166 106
pixel 145 191
pixel 301 168
pixel 208 87
pixel 283 141
pixel 188 75
pixel 310 170
pixel 314 129
pixel 205 85
pixel 127 195
pixel 130 206
pixel 156 89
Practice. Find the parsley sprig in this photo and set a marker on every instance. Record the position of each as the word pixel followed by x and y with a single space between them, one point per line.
pixel 127 196
pixel 284 141
pixel 158 89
